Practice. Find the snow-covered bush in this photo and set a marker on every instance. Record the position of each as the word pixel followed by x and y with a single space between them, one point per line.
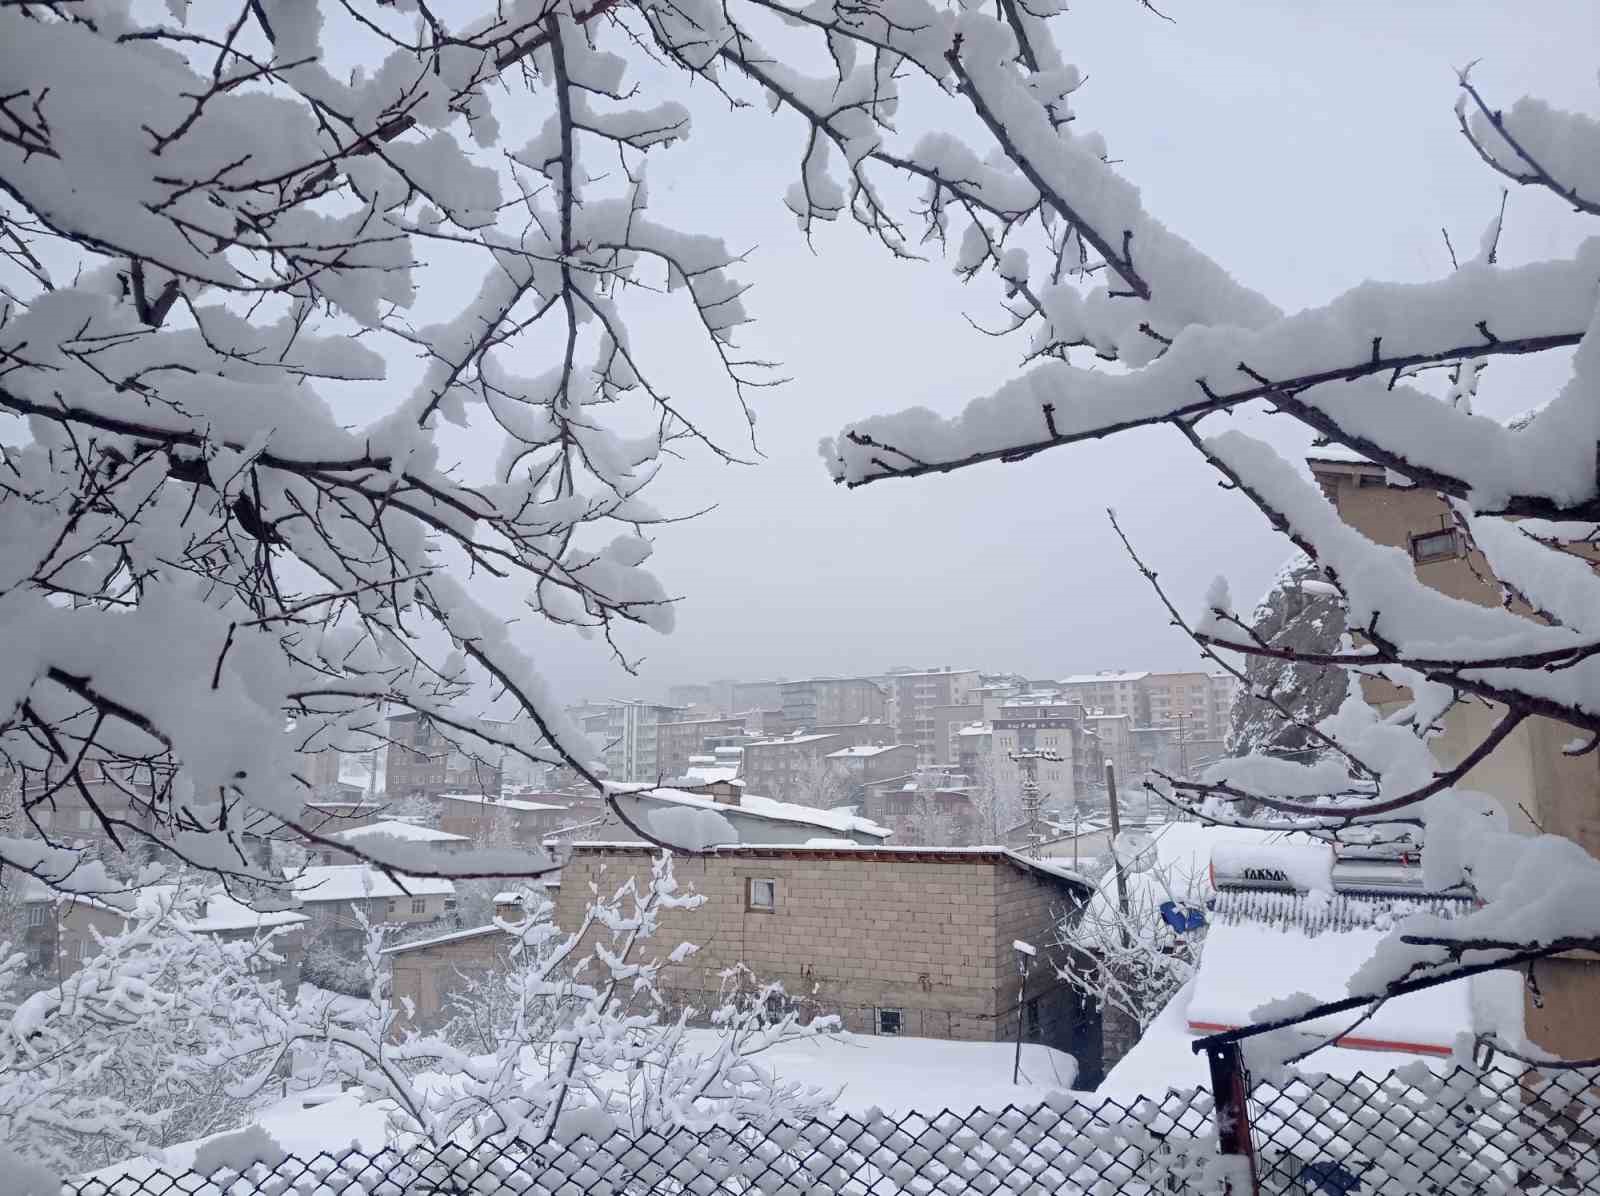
pixel 327 968
pixel 139 1048
pixel 572 1024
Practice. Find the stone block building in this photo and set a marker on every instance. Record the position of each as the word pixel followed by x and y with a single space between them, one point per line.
pixel 893 940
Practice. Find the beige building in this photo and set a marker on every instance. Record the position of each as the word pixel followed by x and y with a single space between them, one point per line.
pixel 1048 723
pixel 425 973
pixel 1528 773
pixel 894 941
pixel 822 701
pixel 914 696
pixel 1109 693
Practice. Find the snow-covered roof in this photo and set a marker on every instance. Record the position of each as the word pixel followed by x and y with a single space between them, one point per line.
pixel 355 882
pixel 1050 868
pixel 752 805
pixel 788 739
pixel 709 774
pixel 862 750
pixel 1101 678
pixel 394 828
pixel 454 936
pixel 976 729
pixel 1282 945
pixel 502 803
pixel 1337 453
pixel 210 910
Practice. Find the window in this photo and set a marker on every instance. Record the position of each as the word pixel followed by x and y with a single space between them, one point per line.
pixel 889 1022
pixel 85 820
pixel 763 894
pixel 419 905
pixel 36 912
pixel 1435 546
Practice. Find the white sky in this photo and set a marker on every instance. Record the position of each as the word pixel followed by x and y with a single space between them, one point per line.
pixel 1305 146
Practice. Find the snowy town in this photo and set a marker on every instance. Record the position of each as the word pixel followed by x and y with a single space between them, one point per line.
pixel 899 598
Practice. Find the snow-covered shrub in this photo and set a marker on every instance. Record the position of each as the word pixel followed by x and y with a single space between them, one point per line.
pixel 330 969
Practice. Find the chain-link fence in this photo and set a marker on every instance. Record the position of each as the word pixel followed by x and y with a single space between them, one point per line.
pixel 1475 1129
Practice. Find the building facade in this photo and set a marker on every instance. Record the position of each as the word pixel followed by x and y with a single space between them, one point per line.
pixel 1110 693
pixel 1045 723
pixel 916 695
pixel 676 742
pixel 791 768
pixel 908 942
pixel 422 762
pixel 824 701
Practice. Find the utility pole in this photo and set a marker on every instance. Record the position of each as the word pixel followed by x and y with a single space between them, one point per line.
pixel 1032 799
pixel 1116 860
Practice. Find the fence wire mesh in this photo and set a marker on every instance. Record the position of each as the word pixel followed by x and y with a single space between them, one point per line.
pixel 1478 1130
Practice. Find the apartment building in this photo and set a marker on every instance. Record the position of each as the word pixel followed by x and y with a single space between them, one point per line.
pixel 677 742
pixel 1110 692
pixel 830 700
pixel 1528 772
pixel 1042 722
pixel 915 696
pixel 505 821
pixel 783 767
pixel 1199 704
pixel 422 762
pixel 894 941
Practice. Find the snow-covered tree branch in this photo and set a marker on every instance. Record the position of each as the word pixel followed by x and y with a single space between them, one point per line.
pixel 1357 372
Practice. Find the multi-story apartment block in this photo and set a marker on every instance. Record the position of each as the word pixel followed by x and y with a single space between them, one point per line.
pixel 422 762
pixel 915 695
pixel 625 734
pixel 1046 723
pixel 822 701
pixel 894 941
pixel 1112 693
pixel 677 742
pixel 754 695
pixel 786 768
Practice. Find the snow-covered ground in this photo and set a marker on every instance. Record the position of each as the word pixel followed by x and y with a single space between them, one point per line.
pixel 896 1075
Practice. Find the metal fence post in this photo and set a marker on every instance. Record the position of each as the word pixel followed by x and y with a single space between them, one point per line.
pixel 1230 1094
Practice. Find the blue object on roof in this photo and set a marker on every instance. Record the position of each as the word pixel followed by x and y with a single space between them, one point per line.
pixel 1328 1178
pixel 1182 918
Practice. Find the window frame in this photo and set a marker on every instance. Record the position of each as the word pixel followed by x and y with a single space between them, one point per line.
pixel 419 905
pixel 899 1016
pixel 750 903
pixel 1416 539
pixel 37 914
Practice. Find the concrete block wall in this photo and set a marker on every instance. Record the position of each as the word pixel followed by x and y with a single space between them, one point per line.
pixel 852 932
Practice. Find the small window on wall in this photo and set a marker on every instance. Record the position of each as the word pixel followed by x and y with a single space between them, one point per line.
pixel 419 905
pixel 763 894
pixel 36 913
pixel 889 1022
pixel 1435 546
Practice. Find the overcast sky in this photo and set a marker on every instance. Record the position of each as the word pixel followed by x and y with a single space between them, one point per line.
pixel 1305 146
